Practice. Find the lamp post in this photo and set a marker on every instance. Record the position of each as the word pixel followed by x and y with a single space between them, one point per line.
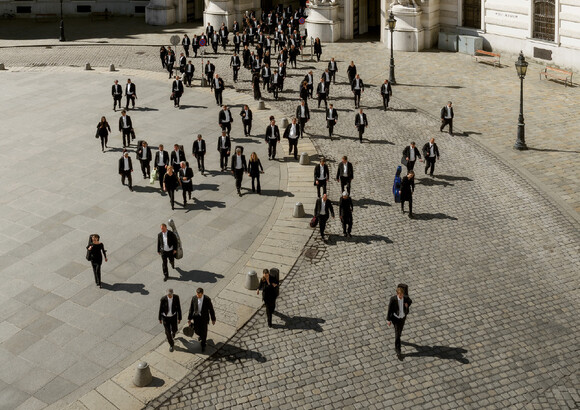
pixel 521 68
pixel 61 38
pixel 392 23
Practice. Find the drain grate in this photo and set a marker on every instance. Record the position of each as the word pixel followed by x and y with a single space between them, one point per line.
pixel 311 253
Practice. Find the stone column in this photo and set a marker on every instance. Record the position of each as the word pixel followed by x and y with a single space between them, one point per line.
pixel 160 13
pixel 218 12
pixel 323 21
pixel 409 32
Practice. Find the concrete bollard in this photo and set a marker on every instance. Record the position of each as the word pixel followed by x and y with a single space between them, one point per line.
pixel 88 67
pixel 304 159
pixel 2 67
pixel 252 281
pixel 143 375
pixel 112 67
pixel 261 105
pixel 284 123
pixel 203 82
pixel 298 210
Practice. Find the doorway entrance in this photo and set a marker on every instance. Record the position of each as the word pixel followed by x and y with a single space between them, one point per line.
pixel 366 19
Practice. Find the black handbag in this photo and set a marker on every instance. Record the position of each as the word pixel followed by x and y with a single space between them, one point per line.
pixel 404 160
pixel 172 96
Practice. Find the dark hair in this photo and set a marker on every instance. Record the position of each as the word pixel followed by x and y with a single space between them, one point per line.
pixel 199 290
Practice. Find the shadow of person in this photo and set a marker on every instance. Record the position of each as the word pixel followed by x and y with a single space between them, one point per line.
pixel 452 178
pixel 299 322
pixel 126 287
pixel 365 202
pixel 205 205
pixel 428 217
pixel 195 275
pixel 432 182
pixel 276 192
pixel 441 352
pixel 235 354
pixel 145 188
pixel 366 239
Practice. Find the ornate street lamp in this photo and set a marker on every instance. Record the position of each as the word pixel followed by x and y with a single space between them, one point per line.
pixel 61 38
pixel 392 23
pixel 521 68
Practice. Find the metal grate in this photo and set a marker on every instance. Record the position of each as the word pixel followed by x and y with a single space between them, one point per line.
pixel 472 13
pixel 544 19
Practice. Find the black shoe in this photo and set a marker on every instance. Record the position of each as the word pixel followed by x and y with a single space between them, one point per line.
pixel 164 278
pixel 411 216
pixel 203 348
pixel 171 348
pixel 173 265
pixel 345 234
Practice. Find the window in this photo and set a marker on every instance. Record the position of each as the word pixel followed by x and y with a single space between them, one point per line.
pixel 472 13
pixel 544 19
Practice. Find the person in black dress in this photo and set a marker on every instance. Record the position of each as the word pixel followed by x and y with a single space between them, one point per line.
pixel 96 251
pixel 254 170
pixel 317 48
pixel 345 212
pixel 269 288
pixel 256 86
pixel 103 130
pixel 170 184
pixel 407 188
pixel 163 56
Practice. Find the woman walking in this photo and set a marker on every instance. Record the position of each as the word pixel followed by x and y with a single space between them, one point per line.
pixel 256 86
pixel 95 252
pixel 317 48
pixel 269 288
pixel 304 93
pixel 170 184
pixel 103 130
pixel 163 56
pixel 254 170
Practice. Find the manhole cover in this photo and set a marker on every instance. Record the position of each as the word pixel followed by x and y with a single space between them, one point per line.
pixel 311 253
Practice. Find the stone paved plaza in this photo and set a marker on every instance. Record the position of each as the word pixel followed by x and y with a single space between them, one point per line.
pixel 491 257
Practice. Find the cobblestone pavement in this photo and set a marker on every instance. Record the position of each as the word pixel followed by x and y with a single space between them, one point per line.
pixel 492 266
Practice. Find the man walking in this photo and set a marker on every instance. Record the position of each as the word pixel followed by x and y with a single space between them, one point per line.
pixel 447 117
pixel 209 70
pixel 170 316
pixel 200 312
pixel 223 147
pixel 177 90
pixel 117 93
pixel 322 93
pixel 344 174
pixel 246 115
pixel 332 69
pixel 125 169
pixel 167 248
pixel 144 156
pixel 310 83
pixel 188 76
pixel 125 126
pixel 238 168
pixel 398 310
pixel 186 42
pixel 161 162
pixel 130 93
pixel 198 151
pixel 322 210
pixel 186 176
pixel 321 175
pixel 292 133
pixel 272 138
pixel 386 92
pixel 218 88
pixel 360 122
pixel 345 209
pixel 177 156
pixel 235 64
pixel 303 115
pixel 407 189
pixel 331 119
pixel 411 154
pixel 431 153
pixel 357 88
pixel 225 119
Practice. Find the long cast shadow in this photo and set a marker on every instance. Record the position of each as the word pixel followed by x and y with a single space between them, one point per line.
pixel 205 205
pixel 432 182
pixel 441 352
pixel 195 275
pixel 126 287
pixel 143 109
pixel 186 106
pixel 379 141
pixel 206 187
pixel 455 87
pixel 365 202
pixel 366 239
pixel 236 354
pixel 453 178
pixel 428 217
pixel 299 322
pixel 146 188
pixel 276 192
pixel 552 150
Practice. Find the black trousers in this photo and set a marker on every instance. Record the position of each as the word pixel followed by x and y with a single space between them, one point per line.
pixel 186 48
pixel 176 98
pixel 247 126
pixel 237 48
pixel 272 148
pixel 117 100
pixel 126 137
pixel 275 91
pixel 170 69
pixel 361 131
pixel 161 173
pixel 356 98
pixel 165 256
pixel 322 219
pixel 257 179
pixel 201 329
pixel 293 146
pixel 310 89
pixel 386 98
pixel 321 185
pixel 170 325
pixel 302 124
pixel 145 168
pixel 223 158
pixel 330 126
pixel 345 182
pixel 239 175
pixel 171 194
pixel 270 308
pixel 104 141
pixel 132 99
pixel 195 48
pixel 322 97
pixel 347 224
pixel 410 165
pixel 226 126
pixel 186 189
pixel 236 69
pixel 187 79
pixel 218 96
pixel 97 271
pixel 398 324
pixel 200 161
pixel 127 174
pixel 430 163
pixel 410 200
pixel 332 76
pixel 266 82
pixel 210 80
pixel 445 122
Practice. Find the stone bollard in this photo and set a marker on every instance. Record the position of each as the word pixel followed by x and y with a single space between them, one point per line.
pixel 88 67
pixel 2 68
pixel 284 123
pixel 112 67
pixel 261 105
pixel 304 159
pixel 298 210
pixel 252 281
pixel 203 82
pixel 143 376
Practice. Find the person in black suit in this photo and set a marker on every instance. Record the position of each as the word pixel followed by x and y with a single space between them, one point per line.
pixel 223 146
pixel 170 315
pixel 386 92
pixel 144 157
pixel 188 75
pixel 332 69
pixel 209 30
pixel 326 78
pixel 218 88
pixel 322 93
pixel 322 210
pixel 125 169
pixel 235 63
pixel 161 162
pixel 331 119
pixel 239 166
pixel 125 126
pixel 209 70
pixel 275 82
pixel 170 62
pixel 272 138
pixel 117 93
pixel 309 78
pixel 177 90
pixel 345 174
pixel 407 189
pixel 360 122
pixel 254 170
pixel 198 151
pixel 447 117
pixel 269 288
pixel 200 312
pixel 411 154
pixel 177 155
pixel 225 119
pixel 321 176
pixel 292 133
pixel 345 209
pixel 398 310
pixel 185 177
pixel 182 63
pixel 96 250
pixel 223 32
pixel 246 115
pixel 303 115
pixel 186 42
pixel 237 40
pixel 351 72
pixel 167 248
pixel 357 86
pixel 170 184
pixel 431 154
pixel 130 93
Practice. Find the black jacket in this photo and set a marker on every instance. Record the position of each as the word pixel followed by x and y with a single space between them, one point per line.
pixel 175 307
pixel 165 158
pixel 426 150
pixel 269 133
pixel 254 168
pixel 349 170
pixel 206 309
pixel 222 117
pixel 177 87
pixel 361 84
pixel 243 115
pixel 407 188
pixel 122 164
pixel 357 121
pixel 176 158
pixel 228 143
pixel 444 112
pixel 195 149
pixel 407 152
pixel 345 208
pixel 148 155
pixel 289 127
pixel 244 165
pixel 387 89
pixel 394 307
pixel 306 112
pixel 116 89
pixel 334 114
pixel 171 241
pixel 129 123
pixel 317 172
pixel 329 208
